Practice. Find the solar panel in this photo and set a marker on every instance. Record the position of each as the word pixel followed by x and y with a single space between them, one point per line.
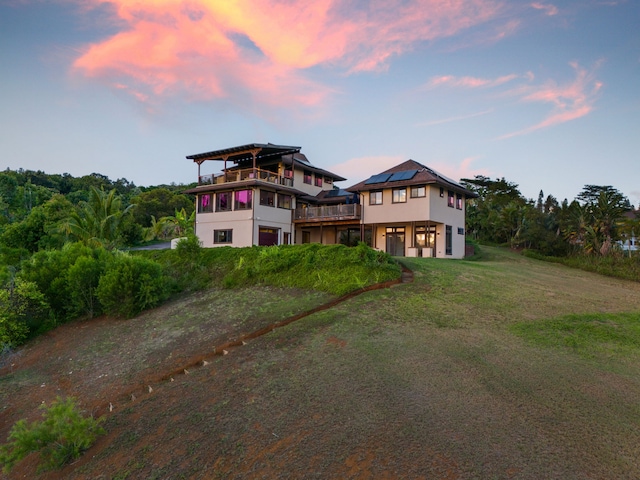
pixel 380 178
pixel 405 175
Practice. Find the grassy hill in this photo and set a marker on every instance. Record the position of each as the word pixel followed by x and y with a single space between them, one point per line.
pixel 504 367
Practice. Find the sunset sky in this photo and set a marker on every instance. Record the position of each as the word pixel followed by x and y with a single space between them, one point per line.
pixel 545 94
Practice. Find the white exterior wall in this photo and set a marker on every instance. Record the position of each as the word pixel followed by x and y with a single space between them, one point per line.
pixel 272 217
pixel 431 208
pixel 240 221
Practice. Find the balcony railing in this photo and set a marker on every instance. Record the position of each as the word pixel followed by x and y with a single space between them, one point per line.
pixel 327 213
pixel 245 174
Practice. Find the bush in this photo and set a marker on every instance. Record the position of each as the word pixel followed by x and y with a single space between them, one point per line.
pixel 130 285
pixel 23 310
pixel 60 437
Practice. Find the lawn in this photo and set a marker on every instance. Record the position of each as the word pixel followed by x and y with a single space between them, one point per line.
pixel 505 367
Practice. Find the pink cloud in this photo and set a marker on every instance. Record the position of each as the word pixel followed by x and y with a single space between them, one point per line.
pixel 571 101
pixel 546 7
pixel 469 82
pixel 258 51
pixel 460 170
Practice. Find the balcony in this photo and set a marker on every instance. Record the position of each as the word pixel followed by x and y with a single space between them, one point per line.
pixel 245 174
pixel 327 213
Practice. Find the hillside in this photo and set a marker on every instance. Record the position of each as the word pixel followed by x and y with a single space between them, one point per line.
pixel 437 378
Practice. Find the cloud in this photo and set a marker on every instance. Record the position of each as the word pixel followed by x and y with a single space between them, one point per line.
pixel 469 82
pixel 458 171
pixel 260 51
pixel 546 7
pixel 570 102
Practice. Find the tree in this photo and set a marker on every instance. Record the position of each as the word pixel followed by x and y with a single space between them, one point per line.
pixel 98 221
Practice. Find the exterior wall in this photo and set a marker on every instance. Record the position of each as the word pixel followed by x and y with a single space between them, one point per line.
pixel 298 183
pixel 413 209
pixel 242 226
pixel 433 208
pixel 245 224
pixel 272 217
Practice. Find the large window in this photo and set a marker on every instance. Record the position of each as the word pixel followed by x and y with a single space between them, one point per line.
pixel 205 203
pixel 243 199
pixel 267 198
pixel 318 180
pixel 418 191
pixel 223 201
pixel 307 177
pixel 399 195
pixel 222 236
pixel 448 240
pixel 375 198
pixel 284 201
pixel 450 199
pixel 459 201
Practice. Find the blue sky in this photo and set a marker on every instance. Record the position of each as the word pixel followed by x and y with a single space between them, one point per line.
pixel 545 94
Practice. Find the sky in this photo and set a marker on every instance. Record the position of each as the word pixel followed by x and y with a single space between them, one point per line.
pixel 544 94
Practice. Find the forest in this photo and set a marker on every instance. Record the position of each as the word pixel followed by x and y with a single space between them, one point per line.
pixel 64 244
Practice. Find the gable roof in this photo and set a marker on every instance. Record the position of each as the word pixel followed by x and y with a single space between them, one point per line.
pixel 409 173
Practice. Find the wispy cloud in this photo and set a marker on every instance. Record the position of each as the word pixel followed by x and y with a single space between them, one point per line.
pixel 547 8
pixel 259 51
pixel 571 101
pixel 454 119
pixel 469 82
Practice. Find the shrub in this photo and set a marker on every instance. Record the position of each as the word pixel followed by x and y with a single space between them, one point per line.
pixel 130 285
pixel 23 310
pixel 61 436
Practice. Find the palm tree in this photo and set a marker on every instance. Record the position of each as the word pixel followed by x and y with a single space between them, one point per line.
pixel 97 222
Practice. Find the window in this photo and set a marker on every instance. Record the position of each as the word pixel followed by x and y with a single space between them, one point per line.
pixel 222 236
pixel 284 201
pixel 318 180
pixel 459 201
pixel 425 237
pixel 307 177
pixel 375 198
pixel 223 201
pixel 460 231
pixel 267 198
pixel 441 192
pixel 205 203
pixel 450 199
pixel 399 195
pixel 448 240
pixel 418 192
pixel 306 237
pixel 328 180
pixel 243 199
pixel 288 173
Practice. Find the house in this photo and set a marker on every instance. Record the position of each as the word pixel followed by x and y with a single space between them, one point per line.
pixel 270 194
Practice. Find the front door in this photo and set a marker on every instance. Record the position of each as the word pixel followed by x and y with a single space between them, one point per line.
pixel 395 241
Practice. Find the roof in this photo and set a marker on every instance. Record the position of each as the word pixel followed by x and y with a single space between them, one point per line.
pixel 299 160
pixel 245 152
pixel 406 174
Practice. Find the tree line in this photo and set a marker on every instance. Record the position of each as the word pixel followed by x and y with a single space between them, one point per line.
pixel 599 221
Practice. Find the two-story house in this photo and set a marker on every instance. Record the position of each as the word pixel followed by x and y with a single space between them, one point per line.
pixel 271 194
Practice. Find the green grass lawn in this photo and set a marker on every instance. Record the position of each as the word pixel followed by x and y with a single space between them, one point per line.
pixel 501 368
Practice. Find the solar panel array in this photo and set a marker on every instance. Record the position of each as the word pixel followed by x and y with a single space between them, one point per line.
pixel 380 178
pixel 391 177
pixel 406 175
